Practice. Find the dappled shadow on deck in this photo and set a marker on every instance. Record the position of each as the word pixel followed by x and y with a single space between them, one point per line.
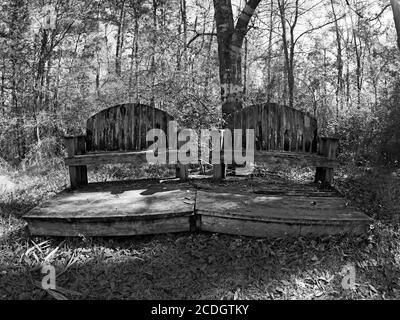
pixel 248 206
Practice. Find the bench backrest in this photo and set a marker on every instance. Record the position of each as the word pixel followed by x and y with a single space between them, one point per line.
pixel 124 127
pixel 279 128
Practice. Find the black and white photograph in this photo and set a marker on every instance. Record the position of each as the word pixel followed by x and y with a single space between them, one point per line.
pixel 198 157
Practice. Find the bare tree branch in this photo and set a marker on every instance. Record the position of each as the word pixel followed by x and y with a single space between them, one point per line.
pixel 317 28
pixel 244 19
pixel 198 35
pixel 369 19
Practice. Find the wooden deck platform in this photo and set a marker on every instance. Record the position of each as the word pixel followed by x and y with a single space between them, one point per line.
pixel 242 207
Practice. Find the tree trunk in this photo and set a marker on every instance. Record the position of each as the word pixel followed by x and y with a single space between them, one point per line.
pixel 98 72
pixel 208 66
pixel 120 40
pixel 288 43
pixel 245 68
pixel 358 50
pixel 57 86
pixel 38 97
pixel 230 39
pixel 153 54
pixel 269 55
pixel 136 43
pixel 184 21
pixel 2 93
pixel 339 64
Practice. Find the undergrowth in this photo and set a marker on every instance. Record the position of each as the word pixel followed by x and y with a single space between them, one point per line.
pixel 201 265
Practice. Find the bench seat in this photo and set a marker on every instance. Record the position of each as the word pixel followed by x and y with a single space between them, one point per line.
pixel 265 157
pixel 112 157
pixel 293 159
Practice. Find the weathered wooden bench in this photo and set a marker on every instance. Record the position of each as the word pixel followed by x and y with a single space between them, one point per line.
pixel 283 136
pixel 286 136
pixel 115 135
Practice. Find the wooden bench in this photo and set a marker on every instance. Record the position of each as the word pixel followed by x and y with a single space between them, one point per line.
pixel 283 136
pixel 286 136
pixel 115 135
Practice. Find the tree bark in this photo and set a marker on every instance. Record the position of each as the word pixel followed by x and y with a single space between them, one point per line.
pixel 38 97
pixel 245 68
pixel 184 22
pixel 208 66
pixel 289 43
pixel 3 83
pixel 339 65
pixel 269 55
pixel 134 68
pixel 153 54
pixel 230 40
pixel 120 39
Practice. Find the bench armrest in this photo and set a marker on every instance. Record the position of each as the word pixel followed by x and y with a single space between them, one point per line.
pixel 76 145
pixel 328 147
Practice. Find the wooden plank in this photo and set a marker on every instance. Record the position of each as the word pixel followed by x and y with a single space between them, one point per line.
pixel 119 200
pixel 150 123
pixel 76 147
pixel 296 192
pixel 287 209
pixel 264 128
pixel 270 128
pixel 63 228
pixel 136 134
pixel 108 158
pixel 281 128
pixel 314 143
pixel 130 120
pixel 123 127
pixel 111 157
pixel 149 207
pixel 274 125
pixel 272 230
pixel 328 147
pixel 258 128
pixel 293 158
pixel 89 135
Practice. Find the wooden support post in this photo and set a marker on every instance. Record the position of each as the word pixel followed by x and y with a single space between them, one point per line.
pixel 182 171
pixel 327 148
pixel 219 170
pixel 77 174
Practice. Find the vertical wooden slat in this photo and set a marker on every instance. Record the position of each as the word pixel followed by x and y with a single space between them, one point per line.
pixel 119 129
pixel 259 128
pixel 114 125
pixel 272 127
pixel 143 126
pixel 136 135
pixel 269 122
pixel 131 125
pixel 280 127
pixel 124 127
pixel 77 174
pixel 293 130
pixel 264 127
